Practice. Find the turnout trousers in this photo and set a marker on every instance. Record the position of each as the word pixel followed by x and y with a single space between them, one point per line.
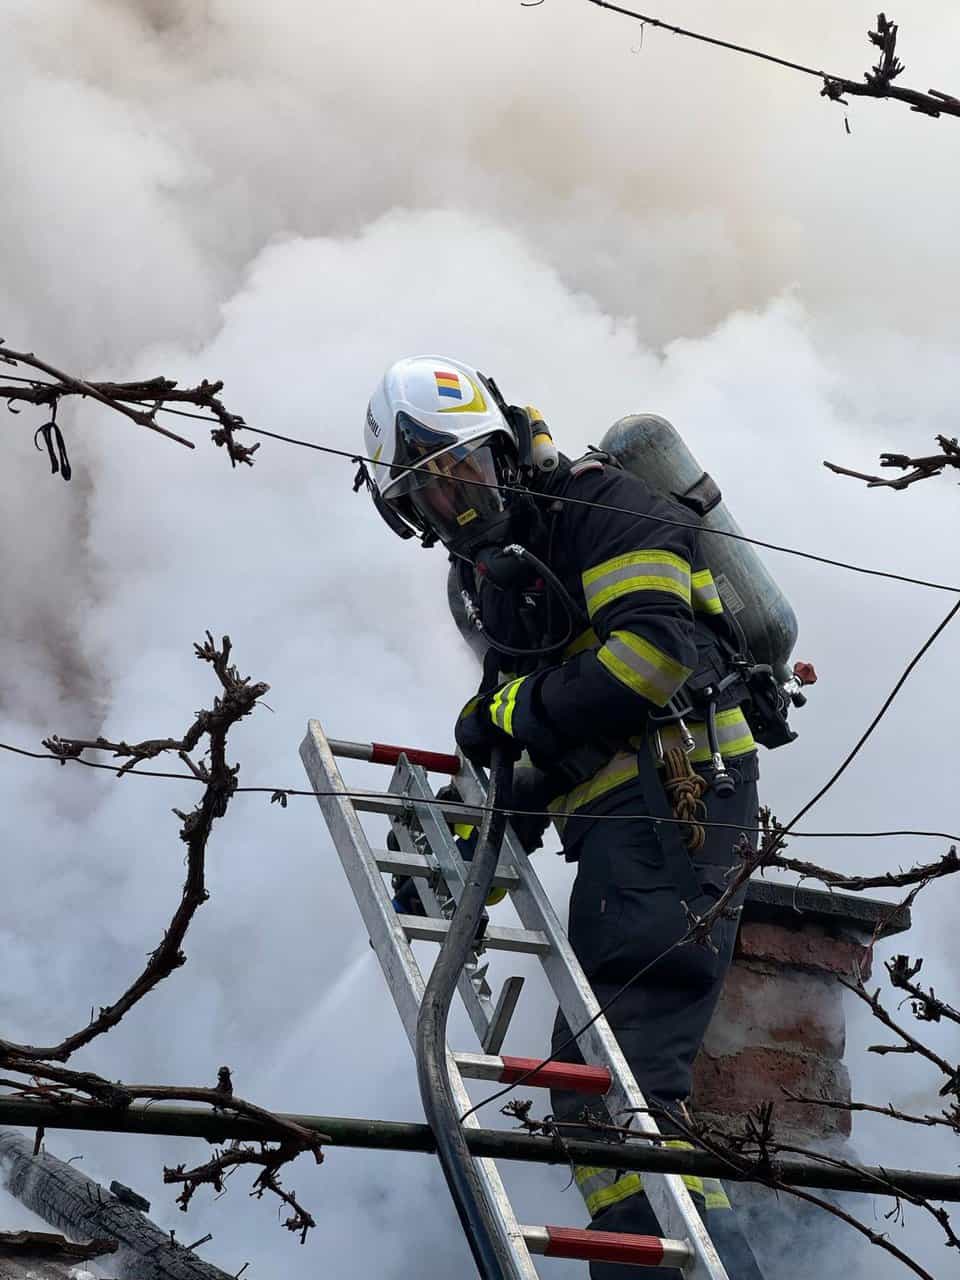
pixel 625 912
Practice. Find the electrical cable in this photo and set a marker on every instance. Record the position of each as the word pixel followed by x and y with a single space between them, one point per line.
pixel 848 760
pixel 568 499
pixel 355 794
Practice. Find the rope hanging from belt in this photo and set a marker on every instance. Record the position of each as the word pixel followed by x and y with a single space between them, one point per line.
pixel 685 790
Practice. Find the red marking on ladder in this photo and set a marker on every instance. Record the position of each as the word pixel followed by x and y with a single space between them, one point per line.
pixel 556 1075
pixel 604 1246
pixel 436 761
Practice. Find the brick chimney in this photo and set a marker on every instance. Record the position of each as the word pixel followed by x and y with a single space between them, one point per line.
pixel 780 1023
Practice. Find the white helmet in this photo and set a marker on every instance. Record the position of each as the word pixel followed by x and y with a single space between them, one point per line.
pixel 448 421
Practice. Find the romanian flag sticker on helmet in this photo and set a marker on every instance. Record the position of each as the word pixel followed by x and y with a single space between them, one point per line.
pixel 448 384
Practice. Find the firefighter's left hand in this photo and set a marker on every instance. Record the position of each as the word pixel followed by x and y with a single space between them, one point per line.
pixel 477 735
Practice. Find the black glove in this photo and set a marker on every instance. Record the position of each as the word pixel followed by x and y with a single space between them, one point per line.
pixel 477 735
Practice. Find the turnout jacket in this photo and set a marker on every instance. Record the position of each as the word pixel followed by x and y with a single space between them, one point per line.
pixel 652 611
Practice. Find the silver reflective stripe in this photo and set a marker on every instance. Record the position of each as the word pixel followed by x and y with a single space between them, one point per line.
pixel 733 736
pixel 642 667
pixel 635 571
pixel 601 1188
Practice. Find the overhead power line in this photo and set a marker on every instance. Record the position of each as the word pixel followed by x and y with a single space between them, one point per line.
pixel 471 810
pixel 876 83
pixel 568 499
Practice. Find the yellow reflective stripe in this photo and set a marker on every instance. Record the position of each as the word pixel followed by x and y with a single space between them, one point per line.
pixel 733 736
pixel 585 640
pixel 642 667
pixel 716 1199
pixel 601 1188
pixel 463 830
pixel 704 594
pixel 622 575
pixel 732 730
pixel 619 769
pixel 503 705
pixel 709 1190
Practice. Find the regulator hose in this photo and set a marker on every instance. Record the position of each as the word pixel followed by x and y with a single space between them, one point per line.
pixel 490 1251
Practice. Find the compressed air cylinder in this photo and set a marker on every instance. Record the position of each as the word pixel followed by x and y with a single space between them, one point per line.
pixel 652 449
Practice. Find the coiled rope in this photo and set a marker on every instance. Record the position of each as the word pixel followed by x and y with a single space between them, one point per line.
pixel 685 790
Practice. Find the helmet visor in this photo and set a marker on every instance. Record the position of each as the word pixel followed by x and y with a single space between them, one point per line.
pixel 455 494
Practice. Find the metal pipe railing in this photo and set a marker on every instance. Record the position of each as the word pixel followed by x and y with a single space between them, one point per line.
pixel 182 1121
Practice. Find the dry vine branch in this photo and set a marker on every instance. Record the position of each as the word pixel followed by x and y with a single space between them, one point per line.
pixel 64 1086
pixel 757 1148
pixel 237 700
pixel 754 1152
pixel 126 397
pixel 949 1118
pixel 926 1006
pixel 949 864
pixel 910 1044
pixel 876 83
pixel 916 468
pixel 271 1159
pixel 54 1083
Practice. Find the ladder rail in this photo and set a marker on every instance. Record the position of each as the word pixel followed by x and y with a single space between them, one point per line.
pixel 542 935
pixel 395 955
pixel 668 1196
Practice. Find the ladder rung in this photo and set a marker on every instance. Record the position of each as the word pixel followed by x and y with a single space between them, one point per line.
pixel 384 753
pixel 607 1246
pixel 416 864
pixel 400 806
pixel 574 1076
pixel 530 941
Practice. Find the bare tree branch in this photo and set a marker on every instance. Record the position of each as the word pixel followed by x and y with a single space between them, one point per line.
pixel 64 1086
pixel 271 1159
pixel 950 1118
pixel 910 1043
pixel 238 699
pixel 124 397
pixel 916 468
pixel 67 385
pixel 926 1006
pixel 949 864
pixel 876 83
pixel 754 1152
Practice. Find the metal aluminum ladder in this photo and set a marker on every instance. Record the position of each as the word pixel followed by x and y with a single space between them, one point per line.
pixel 429 853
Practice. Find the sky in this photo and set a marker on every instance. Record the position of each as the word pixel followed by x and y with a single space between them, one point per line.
pixel 291 197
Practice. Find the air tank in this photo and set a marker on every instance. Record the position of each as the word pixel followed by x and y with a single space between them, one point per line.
pixel 651 448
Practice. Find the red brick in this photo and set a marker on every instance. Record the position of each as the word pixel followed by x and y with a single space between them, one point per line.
pixel 778 1008
pixel 809 947
pixel 736 1083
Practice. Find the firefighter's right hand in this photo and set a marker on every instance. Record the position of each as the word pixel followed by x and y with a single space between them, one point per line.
pixel 477 734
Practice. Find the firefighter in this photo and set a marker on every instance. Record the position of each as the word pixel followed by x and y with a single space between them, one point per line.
pixel 603 628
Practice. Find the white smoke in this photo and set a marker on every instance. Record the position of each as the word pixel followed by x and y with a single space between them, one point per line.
pixel 290 199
